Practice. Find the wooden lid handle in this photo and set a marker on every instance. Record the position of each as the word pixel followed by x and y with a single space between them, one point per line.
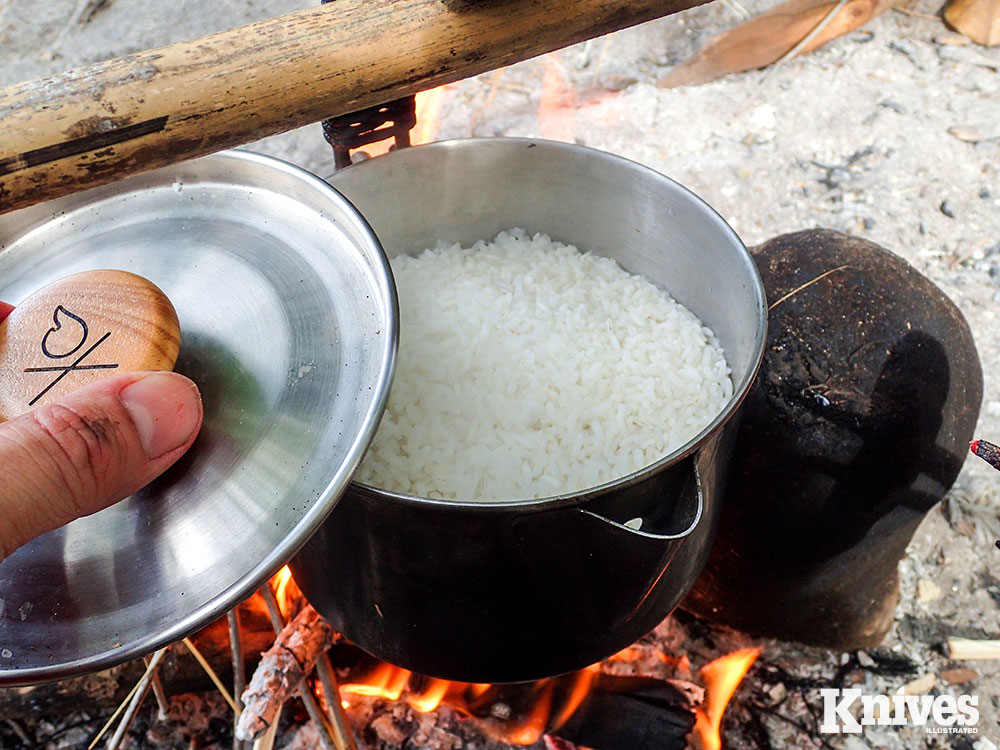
pixel 80 329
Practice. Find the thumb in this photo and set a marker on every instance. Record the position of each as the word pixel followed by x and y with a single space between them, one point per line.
pixel 91 449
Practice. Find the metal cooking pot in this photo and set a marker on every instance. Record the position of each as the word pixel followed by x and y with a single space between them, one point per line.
pixel 523 589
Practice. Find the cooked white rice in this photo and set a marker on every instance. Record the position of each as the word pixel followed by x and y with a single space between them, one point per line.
pixel 529 369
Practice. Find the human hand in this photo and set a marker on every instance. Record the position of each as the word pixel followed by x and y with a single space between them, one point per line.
pixel 90 449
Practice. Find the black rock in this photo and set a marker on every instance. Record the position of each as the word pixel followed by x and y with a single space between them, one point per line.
pixel 856 426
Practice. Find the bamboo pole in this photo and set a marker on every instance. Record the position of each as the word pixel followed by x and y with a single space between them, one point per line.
pixel 89 126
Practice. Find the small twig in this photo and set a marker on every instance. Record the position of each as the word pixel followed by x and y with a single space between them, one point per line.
pixel 959 259
pixel 819 741
pixel 212 675
pixel 85 10
pixel 82 13
pixel 738 10
pixel 803 43
pixel 987 451
pixel 266 740
pixel 812 34
pixel 600 60
pixel 969 648
pixel 918 14
pixel 140 695
pixel 15 727
pixel 809 283
pixel 495 77
pixel 162 703
pixel 273 610
pixel 239 670
pixel 154 664
pixel 334 708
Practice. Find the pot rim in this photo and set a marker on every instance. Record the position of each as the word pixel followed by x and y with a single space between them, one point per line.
pixel 689 448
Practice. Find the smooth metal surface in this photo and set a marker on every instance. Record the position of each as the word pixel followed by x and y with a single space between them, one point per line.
pixel 472 189
pixel 521 589
pixel 288 319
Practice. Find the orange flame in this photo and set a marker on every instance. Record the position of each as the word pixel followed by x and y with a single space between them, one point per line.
pixel 430 697
pixel 626 654
pixel 721 677
pixel 279 583
pixel 428 111
pixel 581 688
pixel 429 105
pixel 478 688
pixel 529 731
pixel 392 683
pixel 385 682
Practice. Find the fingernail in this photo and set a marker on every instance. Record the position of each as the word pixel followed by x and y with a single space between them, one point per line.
pixel 166 410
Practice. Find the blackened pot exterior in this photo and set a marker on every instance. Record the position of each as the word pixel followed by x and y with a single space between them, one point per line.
pixel 524 589
pixel 500 593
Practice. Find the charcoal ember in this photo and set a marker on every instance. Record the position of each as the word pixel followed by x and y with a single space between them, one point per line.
pixel 634 712
pixel 856 426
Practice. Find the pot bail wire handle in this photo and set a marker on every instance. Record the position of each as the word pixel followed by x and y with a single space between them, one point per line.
pixel 646 509
pixel 622 569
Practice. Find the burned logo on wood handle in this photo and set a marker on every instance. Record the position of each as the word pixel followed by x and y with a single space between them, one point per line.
pixel 60 317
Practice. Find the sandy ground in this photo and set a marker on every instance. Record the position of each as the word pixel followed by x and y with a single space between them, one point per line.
pixel 891 133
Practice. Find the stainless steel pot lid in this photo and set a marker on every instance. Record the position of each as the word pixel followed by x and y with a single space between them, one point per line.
pixel 289 326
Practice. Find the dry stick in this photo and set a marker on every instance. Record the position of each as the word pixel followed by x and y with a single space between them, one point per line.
pixel 989 452
pixel 807 284
pixel 239 672
pixel 211 674
pixel 918 14
pixel 266 740
pixel 153 665
pixel 81 15
pixel 600 60
pixel 803 43
pixel 958 259
pixel 969 648
pixel 16 728
pixel 487 101
pixel 162 702
pixel 133 707
pixel 335 709
pixel 738 10
pixel 327 732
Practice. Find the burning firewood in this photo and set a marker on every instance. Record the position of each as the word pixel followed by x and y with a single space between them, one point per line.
pixel 281 670
pixel 790 29
pixel 987 451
